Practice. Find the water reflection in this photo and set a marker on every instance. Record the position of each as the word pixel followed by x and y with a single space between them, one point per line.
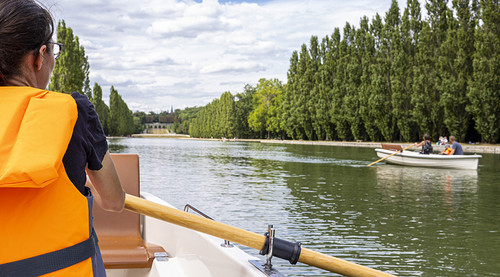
pixel 390 176
pixel 431 212
pixel 116 145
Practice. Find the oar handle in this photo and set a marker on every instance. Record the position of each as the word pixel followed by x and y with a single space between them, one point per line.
pixel 390 155
pixel 240 236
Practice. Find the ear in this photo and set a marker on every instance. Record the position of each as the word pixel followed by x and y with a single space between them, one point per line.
pixel 39 58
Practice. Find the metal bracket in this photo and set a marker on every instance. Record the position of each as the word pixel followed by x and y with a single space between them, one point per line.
pixel 260 265
pixel 161 256
pixel 226 243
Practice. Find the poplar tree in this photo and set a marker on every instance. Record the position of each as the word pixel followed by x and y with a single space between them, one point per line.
pixel 455 64
pixel 243 108
pixel 404 44
pixel 121 119
pixel 314 94
pixel 333 67
pixel 71 70
pixel 352 78
pixel 288 106
pixel 226 115
pixel 305 72
pixel 484 89
pixel 366 42
pixel 380 100
pixel 427 113
pixel 324 82
pixel 339 87
pixel 100 107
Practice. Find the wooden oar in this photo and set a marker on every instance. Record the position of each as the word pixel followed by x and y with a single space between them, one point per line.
pixel 243 237
pixel 391 155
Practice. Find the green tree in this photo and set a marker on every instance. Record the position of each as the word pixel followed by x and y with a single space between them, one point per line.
pixel 403 48
pixel 427 113
pixel 186 117
pixel 351 103
pixel 71 71
pixel 226 111
pixel 289 106
pixel 100 107
pixel 339 116
pixel 139 122
pixel 265 116
pixel 323 85
pixel 243 108
pixel 121 119
pixel 484 89
pixel 305 73
pixel 380 99
pixel 366 44
pixel 455 65
pixel 312 71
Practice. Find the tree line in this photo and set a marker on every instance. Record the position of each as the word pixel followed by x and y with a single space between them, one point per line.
pixel 393 78
pixel 71 74
pixel 390 79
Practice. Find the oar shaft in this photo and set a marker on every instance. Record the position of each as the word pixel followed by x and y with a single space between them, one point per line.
pixel 241 236
pixel 197 223
pixel 337 265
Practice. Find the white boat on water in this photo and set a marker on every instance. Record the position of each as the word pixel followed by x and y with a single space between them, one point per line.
pixel 412 158
pixel 140 246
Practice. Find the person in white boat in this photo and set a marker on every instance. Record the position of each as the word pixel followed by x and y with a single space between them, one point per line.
pixel 456 148
pixel 48 141
pixel 426 145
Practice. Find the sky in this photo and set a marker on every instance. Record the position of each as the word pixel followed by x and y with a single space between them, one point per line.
pixel 160 54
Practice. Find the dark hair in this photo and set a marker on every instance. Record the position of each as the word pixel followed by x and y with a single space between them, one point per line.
pixel 427 137
pixel 24 27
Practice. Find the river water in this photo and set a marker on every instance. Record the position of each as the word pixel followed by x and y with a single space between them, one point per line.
pixel 403 220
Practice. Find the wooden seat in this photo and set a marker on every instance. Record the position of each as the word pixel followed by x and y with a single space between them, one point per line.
pixel 119 234
pixel 394 147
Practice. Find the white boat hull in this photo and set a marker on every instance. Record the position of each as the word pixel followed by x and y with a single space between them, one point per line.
pixel 191 253
pixel 142 246
pixel 437 161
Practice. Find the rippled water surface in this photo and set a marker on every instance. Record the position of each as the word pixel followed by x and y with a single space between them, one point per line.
pixel 404 220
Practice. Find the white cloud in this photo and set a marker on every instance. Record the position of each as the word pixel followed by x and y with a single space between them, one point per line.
pixel 159 53
pixel 237 67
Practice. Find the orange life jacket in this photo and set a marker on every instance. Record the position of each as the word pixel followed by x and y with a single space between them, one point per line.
pixel 41 211
pixel 447 151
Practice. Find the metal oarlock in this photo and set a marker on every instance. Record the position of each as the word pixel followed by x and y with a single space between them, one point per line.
pixel 271 232
pixel 280 248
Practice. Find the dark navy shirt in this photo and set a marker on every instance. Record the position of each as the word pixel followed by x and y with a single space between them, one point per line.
pixel 88 144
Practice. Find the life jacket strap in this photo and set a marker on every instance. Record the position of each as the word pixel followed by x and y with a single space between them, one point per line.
pixel 52 261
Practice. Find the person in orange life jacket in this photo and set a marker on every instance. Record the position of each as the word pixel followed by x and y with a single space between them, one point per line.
pixel 447 150
pixel 426 145
pixel 50 141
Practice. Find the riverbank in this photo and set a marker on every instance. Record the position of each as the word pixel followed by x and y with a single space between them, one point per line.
pixel 160 136
pixel 468 148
